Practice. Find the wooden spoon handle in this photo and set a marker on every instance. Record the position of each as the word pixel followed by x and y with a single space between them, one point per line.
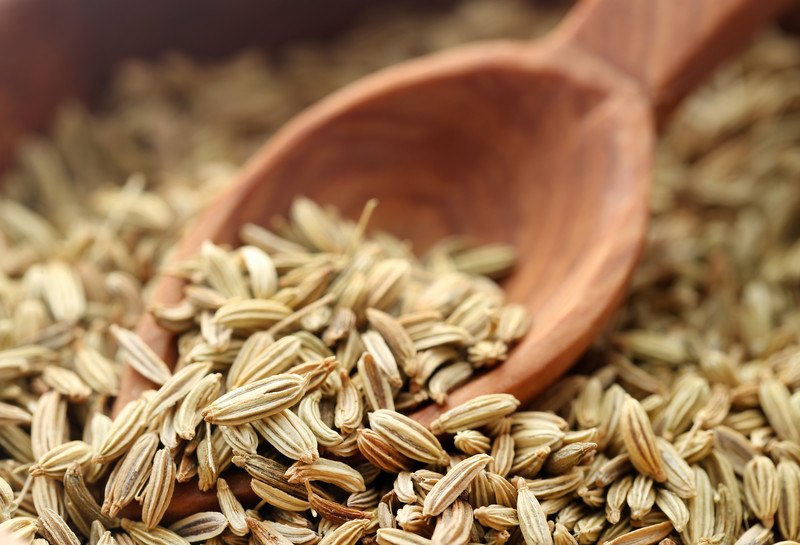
pixel 668 46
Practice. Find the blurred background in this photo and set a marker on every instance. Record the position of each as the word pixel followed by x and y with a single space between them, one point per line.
pixel 58 48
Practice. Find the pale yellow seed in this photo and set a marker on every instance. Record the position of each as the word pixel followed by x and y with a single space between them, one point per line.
pixel 78 493
pixel 289 435
pixel 701 509
pixel 761 489
pixel 159 490
pixel 453 484
pixel 348 533
pixel 222 272
pixel 616 498
pixel 641 497
pixel 140 356
pixel 454 524
pixel 393 536
pixel 475 413
pixel 96 370
pixel 674 507
pixel 261 271
pixel 177 387
pixel 188 415
pixel 261 357
pixel 774 399
pixel 756 535
pixel 472 442
pixel 310 412
pixel 125 429
pixel 67 383
pixel 251 314
pixel 56 529
pixel 498 517
pixel 647 535
pixel 377 347
pixel 200 526
pixel 329 471
pixel 131 473
pixel 349 409
pixel 256 400
pixel 231 508
pixel 532 520
pixel 789 499
pixel 155 536
pixel 54 463
pixel 408 436
pixel 21 528
pixel 640 440
pixel 375 384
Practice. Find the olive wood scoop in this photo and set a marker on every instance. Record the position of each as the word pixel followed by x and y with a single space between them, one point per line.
pixel 548 146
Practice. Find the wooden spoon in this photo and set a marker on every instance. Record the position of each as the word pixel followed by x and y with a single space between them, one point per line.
pixel 548 146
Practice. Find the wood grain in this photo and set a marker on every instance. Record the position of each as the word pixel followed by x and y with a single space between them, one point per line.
pixel 500 173
pixel 668 46
pixel 549 147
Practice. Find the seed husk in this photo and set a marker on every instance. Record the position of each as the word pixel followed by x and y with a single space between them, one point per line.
pixel 454 524
pixel 475 413
pixel 54 463
pixel 640 440
pixel 159 490
pixel 130 474
pixel 200 526
pixel 407 436
pixel 532 520
pixel 155 536
pixel 453 484
pixel 329 471
pixel 643 536
pixel 76 490
pixel 761 489
pixel 140 356
pixel 348 533
pixel 331 510
pixel 789 499
pixel 56 529
pixel 393 536
pixel 256 400
pixel 289 435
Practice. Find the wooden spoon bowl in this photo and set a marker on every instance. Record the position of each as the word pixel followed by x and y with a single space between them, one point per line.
pixel 482 149
pixel 548 147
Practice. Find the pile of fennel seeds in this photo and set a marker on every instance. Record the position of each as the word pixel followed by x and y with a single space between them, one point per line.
pixel 715 298
pixel 295 353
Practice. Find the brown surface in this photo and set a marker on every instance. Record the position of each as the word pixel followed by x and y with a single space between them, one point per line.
pixel 38 66
pixel 188 499
pixel 548 147
pixel 52 49
pixel 790 21
pixel 670 46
